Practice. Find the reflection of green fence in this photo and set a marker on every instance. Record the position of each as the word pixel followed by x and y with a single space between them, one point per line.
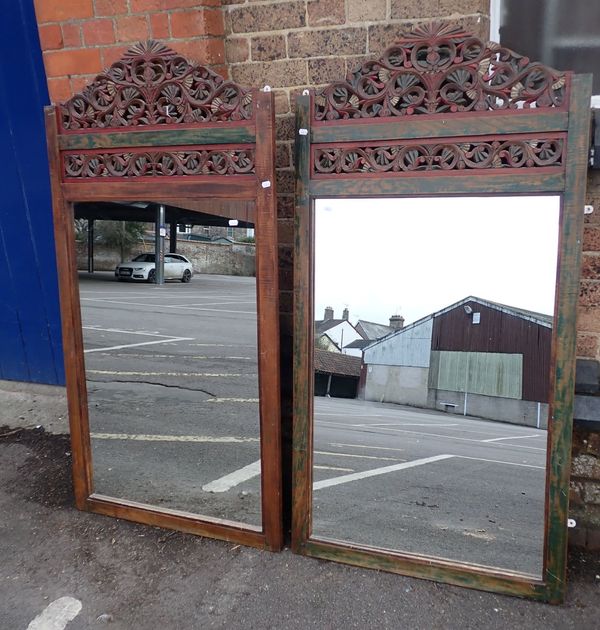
pixel 487 373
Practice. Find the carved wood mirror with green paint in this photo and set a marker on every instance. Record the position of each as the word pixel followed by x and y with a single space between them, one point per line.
pixel 439 211
pixel 173 389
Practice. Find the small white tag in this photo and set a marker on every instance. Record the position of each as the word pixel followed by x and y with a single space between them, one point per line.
pixel 267 88
pixel 266 184
pixel 303 132
pixel 571 522
pixel 588 209
pixel 305 92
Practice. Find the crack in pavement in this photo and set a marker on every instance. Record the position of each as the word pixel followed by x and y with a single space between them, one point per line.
pixel 187 389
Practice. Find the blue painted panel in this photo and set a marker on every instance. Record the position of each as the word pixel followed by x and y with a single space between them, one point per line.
pixel 30 338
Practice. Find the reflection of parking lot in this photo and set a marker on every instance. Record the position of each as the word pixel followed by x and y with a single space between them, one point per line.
pixel 173 393
pixel 429 482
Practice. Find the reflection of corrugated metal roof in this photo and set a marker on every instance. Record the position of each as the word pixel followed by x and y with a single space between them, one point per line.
pixel 538 318
pixel 372 330
pixel 335 363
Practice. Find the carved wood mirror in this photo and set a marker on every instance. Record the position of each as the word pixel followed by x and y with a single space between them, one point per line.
pixel 173 389
pixel 439 197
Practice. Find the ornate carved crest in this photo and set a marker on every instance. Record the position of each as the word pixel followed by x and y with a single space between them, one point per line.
pixel 438 69
pixel 153 85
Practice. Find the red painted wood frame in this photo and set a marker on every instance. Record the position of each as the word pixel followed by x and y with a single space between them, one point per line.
pixel 196 137
pixel 442 113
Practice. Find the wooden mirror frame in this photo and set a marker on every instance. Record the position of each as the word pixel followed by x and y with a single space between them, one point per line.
pixel 442 92
pixel 156 103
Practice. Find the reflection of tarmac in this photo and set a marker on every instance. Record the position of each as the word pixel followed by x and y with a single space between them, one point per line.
pixel 172 385
pixel 429 482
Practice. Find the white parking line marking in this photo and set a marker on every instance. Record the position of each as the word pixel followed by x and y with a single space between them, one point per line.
pixel 459 439
pixel 406 424
pixel 512 437
pixel 127 332
pixel 334 468
pixel 56 615
pixel 377 448
pixel 223 400
pixel 496 461
pixel 142 343
pixel 118 373
pixel 392 459
pixel 191 308
pixel 223 484
pixel 336 481
pixel 139 437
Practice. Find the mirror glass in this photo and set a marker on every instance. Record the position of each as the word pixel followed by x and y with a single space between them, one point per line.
pixel 171 369
pixel 433 328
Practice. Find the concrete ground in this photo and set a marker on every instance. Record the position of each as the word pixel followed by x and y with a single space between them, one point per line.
pixel 129 576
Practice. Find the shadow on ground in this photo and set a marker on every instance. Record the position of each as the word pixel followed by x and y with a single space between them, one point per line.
pixel 133 576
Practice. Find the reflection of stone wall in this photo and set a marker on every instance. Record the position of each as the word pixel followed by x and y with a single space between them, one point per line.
pixel 235 259
pixel 510 410
pixel 409 386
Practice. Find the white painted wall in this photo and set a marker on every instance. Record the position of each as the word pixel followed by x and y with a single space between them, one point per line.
pixel 397 384
pixel 343 334
pixel 410 347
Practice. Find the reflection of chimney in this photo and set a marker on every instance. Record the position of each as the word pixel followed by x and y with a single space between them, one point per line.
pixel 328 313
pixel 396 322
pixel 346 314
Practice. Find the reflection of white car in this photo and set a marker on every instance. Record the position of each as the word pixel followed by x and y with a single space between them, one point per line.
pixel 142 268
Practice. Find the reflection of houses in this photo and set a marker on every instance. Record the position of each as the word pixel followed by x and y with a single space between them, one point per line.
pixel 336 334
pixel 336 374
pixel 339 335
pixel 486 358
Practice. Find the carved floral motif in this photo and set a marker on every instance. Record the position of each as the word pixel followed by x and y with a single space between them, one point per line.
pixel 444 156
pixel 153 85
pixel 159 163
pixel 441 69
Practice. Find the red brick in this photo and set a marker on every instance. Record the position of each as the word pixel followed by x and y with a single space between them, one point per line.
pixel 50 36
pixel 59 89
pixel 60 63
pixel 71 34
pixel 209 51
pixel 132 28
pixel 59 10
pixel 142 6
pixel 110 8
pixel 78 83
pixel 159 23
pixel 197 22
pixel 186 4
pixel 112 54
pixel 98 32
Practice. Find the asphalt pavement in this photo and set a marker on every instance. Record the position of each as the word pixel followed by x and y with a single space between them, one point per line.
pixel 173 398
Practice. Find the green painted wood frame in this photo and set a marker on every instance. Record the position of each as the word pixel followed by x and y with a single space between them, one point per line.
pixel 570 122
pixel 257 188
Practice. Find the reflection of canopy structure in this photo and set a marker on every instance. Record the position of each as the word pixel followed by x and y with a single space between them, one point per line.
pixel 216 212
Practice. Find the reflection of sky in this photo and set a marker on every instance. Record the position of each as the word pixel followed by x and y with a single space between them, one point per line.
pixel 414 256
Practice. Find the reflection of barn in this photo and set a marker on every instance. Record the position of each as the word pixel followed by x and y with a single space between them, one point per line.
pixel 487 359
pixel 336 374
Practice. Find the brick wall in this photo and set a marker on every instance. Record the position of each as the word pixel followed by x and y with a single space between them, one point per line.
pixel 79 38
pixel 290 44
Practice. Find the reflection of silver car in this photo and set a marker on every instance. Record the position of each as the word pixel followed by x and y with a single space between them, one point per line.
pixel 142 268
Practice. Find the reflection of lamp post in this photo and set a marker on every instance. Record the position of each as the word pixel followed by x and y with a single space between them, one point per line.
pixel 468 311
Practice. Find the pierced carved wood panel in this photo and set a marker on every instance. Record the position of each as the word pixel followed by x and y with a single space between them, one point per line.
pixel 438 69
pixel 153 163
pixel 154 85
pixel 402 158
